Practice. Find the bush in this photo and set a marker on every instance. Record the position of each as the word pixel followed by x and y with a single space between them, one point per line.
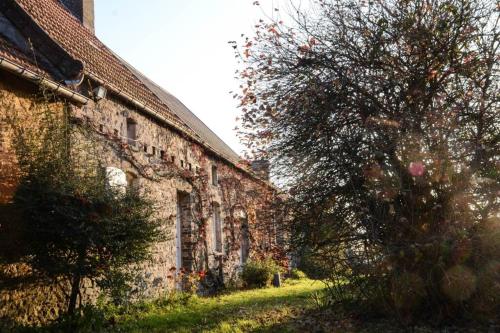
pixel 174 299
pixel 87 319
pixel 312 265
pixel 393 201
pixel 258 274
pixel 297 274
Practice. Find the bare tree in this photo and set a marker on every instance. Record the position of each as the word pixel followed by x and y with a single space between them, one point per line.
pixel 382 118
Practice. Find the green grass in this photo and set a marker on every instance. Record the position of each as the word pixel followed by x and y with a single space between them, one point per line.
pixel 259 310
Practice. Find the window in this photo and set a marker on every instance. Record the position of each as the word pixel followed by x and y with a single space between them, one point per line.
pixel 173 158
pixel 131 131
pixel 182 164
pixel 190 167
pixel 162 154
pixel 145 147
pixel 215 177
pixel 217 228
pixel 153 150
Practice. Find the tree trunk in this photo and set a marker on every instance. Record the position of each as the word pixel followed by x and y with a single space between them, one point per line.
pixel 75 289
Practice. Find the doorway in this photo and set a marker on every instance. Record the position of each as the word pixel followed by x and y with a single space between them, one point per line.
pixel 183 258
pixel 245 242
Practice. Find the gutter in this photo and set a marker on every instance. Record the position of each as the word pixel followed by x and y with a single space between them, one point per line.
pixel 61 90
pixel 32 76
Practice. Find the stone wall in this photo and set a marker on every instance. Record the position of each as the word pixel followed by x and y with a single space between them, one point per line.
pixel 22 299
pixel 177 167
pixel 166 166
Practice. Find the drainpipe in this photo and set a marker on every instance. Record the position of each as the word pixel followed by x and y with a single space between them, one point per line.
pixel 32 76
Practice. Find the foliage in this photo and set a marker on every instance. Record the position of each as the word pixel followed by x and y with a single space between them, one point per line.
pixel 310 264
pixel 382 119
pixel 89 320
pixel 75 225
pixel 297 274
pixel 259 273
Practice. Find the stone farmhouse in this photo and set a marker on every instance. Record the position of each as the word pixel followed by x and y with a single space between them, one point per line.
pixel 150 139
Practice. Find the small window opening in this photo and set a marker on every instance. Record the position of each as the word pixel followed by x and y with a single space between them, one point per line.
pixel 153 150
pixel 190 167
pixel 182 164
pixel 215 177
pixel 173 158
pixel 145 148
pixel 131 131
pixel 162 154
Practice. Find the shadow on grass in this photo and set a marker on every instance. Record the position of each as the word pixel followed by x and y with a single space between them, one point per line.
pixel 329 320
pixel 209 314
pixel 259 310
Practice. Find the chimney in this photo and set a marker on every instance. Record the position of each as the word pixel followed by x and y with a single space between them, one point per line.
pixel 83 10
pixel 261 168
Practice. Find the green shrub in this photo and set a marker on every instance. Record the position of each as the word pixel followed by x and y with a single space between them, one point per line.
pixel 297 274
pixel 258 274
pixel 174 299
pixel 88 319
pixel 312 265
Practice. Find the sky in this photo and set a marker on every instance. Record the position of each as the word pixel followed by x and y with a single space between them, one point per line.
pixel 182 45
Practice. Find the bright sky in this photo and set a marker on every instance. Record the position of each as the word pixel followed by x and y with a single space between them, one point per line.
pixel 182 46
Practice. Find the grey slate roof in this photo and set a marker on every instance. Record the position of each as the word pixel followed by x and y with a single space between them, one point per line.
pixel 186 115
pixel 191 120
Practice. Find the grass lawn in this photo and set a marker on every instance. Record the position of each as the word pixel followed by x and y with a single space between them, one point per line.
pixel 260 310
pixel 287 309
